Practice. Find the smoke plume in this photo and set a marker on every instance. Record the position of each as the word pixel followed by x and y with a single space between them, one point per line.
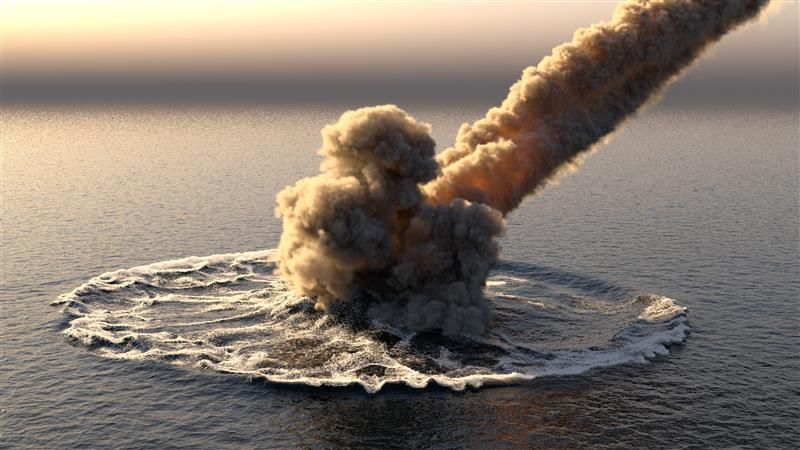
pixel 387 219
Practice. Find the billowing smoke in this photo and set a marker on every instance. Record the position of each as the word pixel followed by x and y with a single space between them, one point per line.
pixel 388 220
pixel 362 228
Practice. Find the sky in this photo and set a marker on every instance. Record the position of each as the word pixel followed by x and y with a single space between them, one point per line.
pixel 60 51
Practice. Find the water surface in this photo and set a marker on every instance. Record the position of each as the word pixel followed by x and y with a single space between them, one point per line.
pixel 698 206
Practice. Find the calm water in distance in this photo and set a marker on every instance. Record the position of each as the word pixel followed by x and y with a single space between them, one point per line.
pixel 697 205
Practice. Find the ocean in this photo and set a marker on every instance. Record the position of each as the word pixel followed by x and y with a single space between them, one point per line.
pixel 648 300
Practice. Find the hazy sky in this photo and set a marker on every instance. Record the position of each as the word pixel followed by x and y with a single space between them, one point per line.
pixel 260 51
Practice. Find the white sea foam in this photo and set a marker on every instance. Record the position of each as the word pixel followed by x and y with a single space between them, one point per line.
pixel 231 313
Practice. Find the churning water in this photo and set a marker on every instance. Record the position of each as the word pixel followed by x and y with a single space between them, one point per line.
pixel 233 314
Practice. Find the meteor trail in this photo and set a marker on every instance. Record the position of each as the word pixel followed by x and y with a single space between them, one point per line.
pixel 417 231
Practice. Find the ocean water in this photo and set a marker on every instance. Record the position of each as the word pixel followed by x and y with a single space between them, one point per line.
pixel 650 299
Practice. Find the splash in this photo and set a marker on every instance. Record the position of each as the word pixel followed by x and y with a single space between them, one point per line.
pixel 387 220
pixel 232 314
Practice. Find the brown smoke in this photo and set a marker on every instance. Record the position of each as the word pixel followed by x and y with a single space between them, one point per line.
pixel 577 95
pixel 386 219
pixel 361 226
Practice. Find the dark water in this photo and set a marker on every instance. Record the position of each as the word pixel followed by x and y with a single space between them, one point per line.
pixel 696 206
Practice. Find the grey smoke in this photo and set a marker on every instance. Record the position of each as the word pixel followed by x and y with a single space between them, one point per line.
pixel 388 219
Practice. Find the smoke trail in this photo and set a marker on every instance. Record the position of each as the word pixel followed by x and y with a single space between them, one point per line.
pixel 577 95
pixel 367 227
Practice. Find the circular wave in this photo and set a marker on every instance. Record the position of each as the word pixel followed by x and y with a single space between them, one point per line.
pixel 231 313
